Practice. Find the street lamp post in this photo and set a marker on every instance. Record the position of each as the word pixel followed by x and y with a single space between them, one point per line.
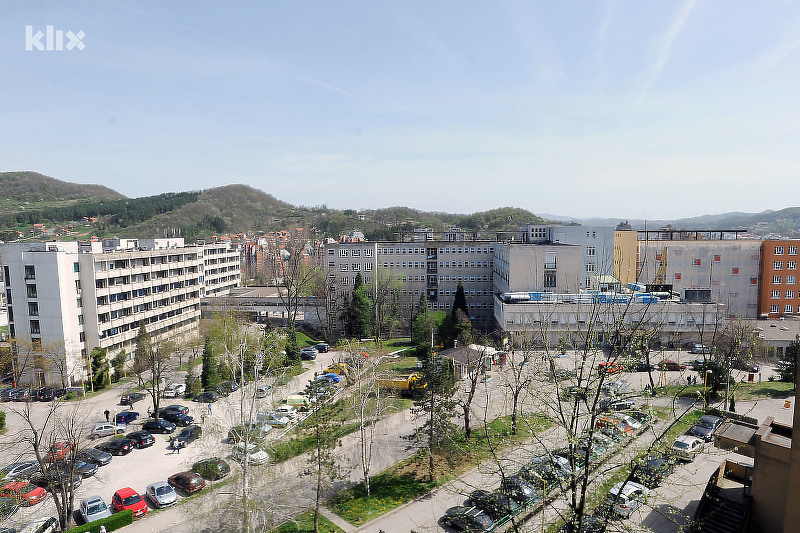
pixel 705 387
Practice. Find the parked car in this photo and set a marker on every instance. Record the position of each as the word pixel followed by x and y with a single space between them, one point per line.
pixel 638 416
pixel 495 504
pixel 179 419
pixel 41 525
pixel 626 497
pixel 545 470
pixel 687 447
pixel 652 470
pixel 23 470
pixel 107 429
pixel 308 354
pixel 276 420
pixel 79 467
pixel 128 498
pixel 131 398
pixel 189 435
pixel 700 348
pixel 159 425
pixel 613 423
pixel 92 509
pixel 289 411
pixel 615 404
pixel 517 488
pixel 629 423
pixel 94 456
pixel 330 378
pixel 189 482
pixel 25 492
pixel 706 427
pixel 257 455
pixel 228 386
pixel 175 408
pixel 256 431
pixel 322 347
pixel 467 519
pixel 57 480
pixel 174 390
pixel 8 506
pixel 206 397
pixel 22 394
pixel 116 446
pixel 668 364
pixel 126 417
pixel 590 524
pixel 262 391
pixel 573 391
pixel 141 439
pixel 212 468
pixel 58 451
pixel 161 494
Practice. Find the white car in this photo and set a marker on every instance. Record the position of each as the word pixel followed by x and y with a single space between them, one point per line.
pixel 174 390
pixel 289 411
pixel 108 428
pixel 630 422
pixel 42 525
pixel 94 508
pixel 624 498
pixel 257 455
pixel 161 494
pixel 687 447
pixel 277 421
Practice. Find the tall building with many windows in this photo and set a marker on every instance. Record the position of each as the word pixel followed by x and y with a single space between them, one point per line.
pixel 81 295
pixel 780 293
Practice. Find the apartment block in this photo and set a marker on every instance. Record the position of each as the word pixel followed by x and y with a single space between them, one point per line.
pixel 84 295
pixel 433 268
pixel 779 294
pixel 222 270
pixel 538 267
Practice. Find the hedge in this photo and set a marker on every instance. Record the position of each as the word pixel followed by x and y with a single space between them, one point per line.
pixel 115 521
pixel 2 419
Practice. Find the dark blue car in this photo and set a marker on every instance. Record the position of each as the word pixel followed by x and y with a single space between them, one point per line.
pixel 126 417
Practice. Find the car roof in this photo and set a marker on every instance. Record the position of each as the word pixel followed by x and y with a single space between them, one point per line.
pixel 688 439
pixel 627 487
pixel 124 492
pixel 92 499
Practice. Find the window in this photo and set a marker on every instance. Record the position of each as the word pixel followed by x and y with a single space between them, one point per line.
pixel 368 253
pixel 76 267
pixel 753 281
pixel 590 251
pixel 776 280
pixel 367 266
pixel 734 271
pixel 790 280
pixel 331 264
pixel 344 267
pixel 35 327
pixel 717 258
pixel 788 308
pixel 779 250
pixel 30 272
pixel 777 265
pixel 31 291
pixel 342 252
pixel 549 281
pixel 776 295
pixel 356 267
pixel 793 250
pixel 677 275
pixel 791 265
pixel 790 294
pixel 697 262
pixel 589 267
pixel 356 253
pixel 33 309
pixel 774 309
pixel 331 251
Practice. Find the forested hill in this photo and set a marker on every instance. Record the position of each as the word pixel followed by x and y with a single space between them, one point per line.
pixel 22 191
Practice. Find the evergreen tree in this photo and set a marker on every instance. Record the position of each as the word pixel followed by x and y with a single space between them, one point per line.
pixel 118 363
pixel 210 375
pixel 360 310
pixel 459 302
pixel 788 366
pixel 436 407
pixel 292 347
pixel 99 368
pixel 732 404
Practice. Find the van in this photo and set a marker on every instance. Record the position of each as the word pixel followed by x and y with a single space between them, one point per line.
pixel 302 403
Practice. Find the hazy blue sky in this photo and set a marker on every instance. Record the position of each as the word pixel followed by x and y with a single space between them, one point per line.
pixel 652 109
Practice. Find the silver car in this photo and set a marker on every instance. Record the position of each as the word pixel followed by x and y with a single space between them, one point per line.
pixel 23 470
pixel 108 428
pixel 94 508
pixel 161 494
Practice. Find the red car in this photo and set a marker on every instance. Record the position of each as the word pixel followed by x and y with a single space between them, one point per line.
pixel 187 481
pixel 128 498
pixel 59 451
pixel 25 492
pixel 672 365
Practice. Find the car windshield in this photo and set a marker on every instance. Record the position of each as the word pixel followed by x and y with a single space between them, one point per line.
pixel 681 445
pixel 131 500
pixel 28 487
pixel 163 489
pixel 708 424
pixel 195 481
pixel 97 507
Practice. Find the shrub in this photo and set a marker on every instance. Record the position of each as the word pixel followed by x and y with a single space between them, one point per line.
pixel 2 420
pixel 115 521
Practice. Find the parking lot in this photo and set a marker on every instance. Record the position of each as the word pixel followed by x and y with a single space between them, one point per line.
pixel 141 466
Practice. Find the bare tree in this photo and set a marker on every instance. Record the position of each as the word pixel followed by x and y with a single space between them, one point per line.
pixel 152 364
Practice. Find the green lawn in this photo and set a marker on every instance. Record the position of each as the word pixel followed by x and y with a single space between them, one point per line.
pixel 744 391
pixel 304 523
pixel 398 365
pixel 406 480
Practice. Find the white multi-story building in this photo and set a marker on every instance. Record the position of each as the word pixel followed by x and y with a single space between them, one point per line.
pixel 222 271
pixel 83 295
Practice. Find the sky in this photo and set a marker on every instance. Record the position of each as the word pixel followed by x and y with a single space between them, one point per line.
pixel 627 109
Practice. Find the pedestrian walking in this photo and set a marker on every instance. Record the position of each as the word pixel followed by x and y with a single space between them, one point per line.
pixel 209 408
pixel 102 529
pixel 178 445
pixel 107 413
pixel 174 445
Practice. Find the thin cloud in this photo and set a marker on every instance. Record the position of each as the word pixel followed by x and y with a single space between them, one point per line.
pixel 424 114
pixel 665 48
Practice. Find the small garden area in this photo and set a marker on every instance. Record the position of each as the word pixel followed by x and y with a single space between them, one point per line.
pixel 304 523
